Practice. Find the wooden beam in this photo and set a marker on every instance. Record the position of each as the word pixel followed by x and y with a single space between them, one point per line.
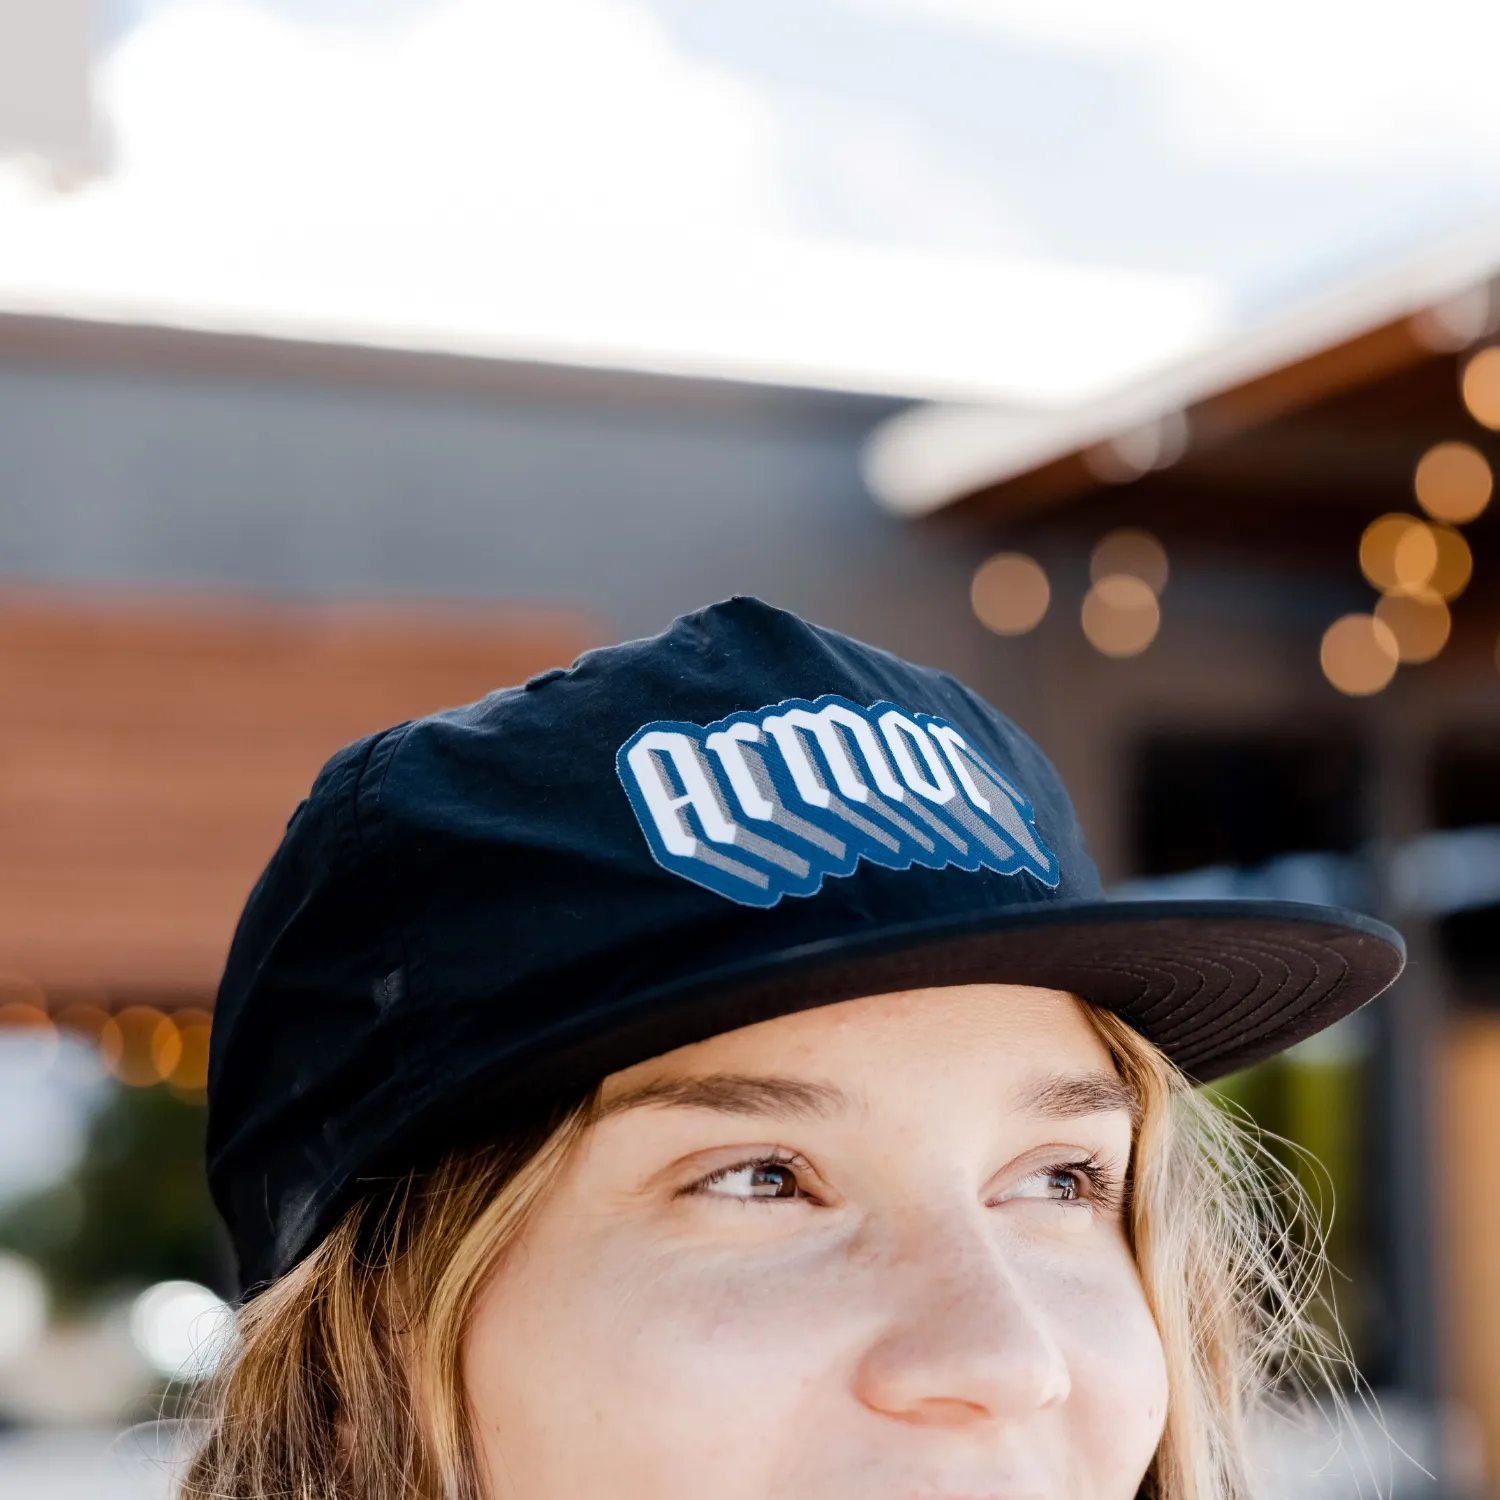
pixel 1349 366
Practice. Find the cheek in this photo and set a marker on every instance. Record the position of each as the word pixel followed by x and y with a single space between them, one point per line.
pixel 644 1378
pixel 1100 1318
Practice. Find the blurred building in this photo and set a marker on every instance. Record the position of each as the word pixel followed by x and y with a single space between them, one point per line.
pixel 231 555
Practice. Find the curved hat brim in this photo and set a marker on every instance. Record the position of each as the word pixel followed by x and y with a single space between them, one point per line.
pixel 1217 985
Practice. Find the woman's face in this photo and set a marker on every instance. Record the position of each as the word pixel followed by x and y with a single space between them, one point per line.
pixel 869 1252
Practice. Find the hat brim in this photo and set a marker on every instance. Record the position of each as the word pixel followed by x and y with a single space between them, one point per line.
pixel 1217 985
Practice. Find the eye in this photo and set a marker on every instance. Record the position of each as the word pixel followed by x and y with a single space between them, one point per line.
pixel 1090 1183
pixel 765 1180
pixel 1056 1184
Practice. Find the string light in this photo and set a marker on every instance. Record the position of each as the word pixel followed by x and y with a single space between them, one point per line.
pixel 95 1025
pixel 1359 655
pixel 1419 621
pixel 35 1025
pixel 190 1075
pixel 19 1015
pixel 1010 593
pixel 1377 549
pixel 1128 455
pixel 1455 563
pixel 1414 558
pixel 1453 482
pixel 151 1046
pixel 140 1046
pixel 1134 553
pixel 1120 615
pixel 1480 386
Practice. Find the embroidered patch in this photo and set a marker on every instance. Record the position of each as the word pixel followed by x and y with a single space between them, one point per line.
pixel 766 804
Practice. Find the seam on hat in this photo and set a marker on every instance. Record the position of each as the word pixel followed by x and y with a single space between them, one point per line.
pixel 382 752
pixel 371 828
pixel 339 776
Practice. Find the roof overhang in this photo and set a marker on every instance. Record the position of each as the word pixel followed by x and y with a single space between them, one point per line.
pixel 1014 460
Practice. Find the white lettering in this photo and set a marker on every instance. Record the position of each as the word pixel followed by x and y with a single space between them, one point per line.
pixel 725 743
pixel 698 794
pixel 901 734
pixel 824 726
pixel 954 744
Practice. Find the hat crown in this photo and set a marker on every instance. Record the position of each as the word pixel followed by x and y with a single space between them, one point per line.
pixel 498 904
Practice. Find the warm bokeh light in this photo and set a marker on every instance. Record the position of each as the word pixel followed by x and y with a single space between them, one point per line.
pixel 1414 558
pixel 151 1046
pixel 1398 551
pixel 1377 548
pixel 1481 387
pixel 1120 615
pixel 21 1015
pixel 1453 482
pixel 190 1074
pixel 1010 593
pixel 32 1023
pixel 1418 619
pixel 1133 553
pixel 1455 563
pixel 1359 655
pixel 96 1025
pixel 166 1048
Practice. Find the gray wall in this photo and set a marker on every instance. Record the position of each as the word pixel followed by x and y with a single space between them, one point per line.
pixel 628 497
pixel 176 460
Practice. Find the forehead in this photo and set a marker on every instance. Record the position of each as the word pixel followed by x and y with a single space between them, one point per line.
pixel 991 1032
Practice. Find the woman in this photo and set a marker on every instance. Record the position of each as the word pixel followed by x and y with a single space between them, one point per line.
pixel 713 1070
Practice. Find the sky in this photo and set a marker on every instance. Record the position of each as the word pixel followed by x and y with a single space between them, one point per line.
pixel 1008 198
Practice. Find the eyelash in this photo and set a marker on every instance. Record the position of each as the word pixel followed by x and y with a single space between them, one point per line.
pixel 1103 1186
pixel 1100 1183
pixel 769 1159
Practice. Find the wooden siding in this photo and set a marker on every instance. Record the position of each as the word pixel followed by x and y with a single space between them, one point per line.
pixel 152 750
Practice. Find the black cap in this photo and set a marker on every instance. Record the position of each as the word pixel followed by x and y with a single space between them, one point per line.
pixel 475 917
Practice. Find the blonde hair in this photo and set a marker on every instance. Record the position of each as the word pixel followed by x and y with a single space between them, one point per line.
pixel 347 1380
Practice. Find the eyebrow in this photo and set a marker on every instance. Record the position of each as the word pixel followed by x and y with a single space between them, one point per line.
pixel 1061 1096
pixel 1065 1096
pixel 736 1094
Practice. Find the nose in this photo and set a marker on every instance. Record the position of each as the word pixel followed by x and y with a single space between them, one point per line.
pixel 967 1344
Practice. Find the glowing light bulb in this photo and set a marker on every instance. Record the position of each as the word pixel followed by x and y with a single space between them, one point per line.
pixel 1453 482
pixel 1480 385
pixel 150 1046
pixel 1134 553
pixel 1419 621
pixel 1120 615
pixel 1398 551
pixel 1359 655
pixel 1455 563
pixel 1010 593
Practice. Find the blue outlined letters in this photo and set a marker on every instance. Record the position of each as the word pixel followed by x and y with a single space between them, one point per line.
pixel 767 804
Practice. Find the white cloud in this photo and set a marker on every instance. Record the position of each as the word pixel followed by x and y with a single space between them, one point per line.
pixel 1340 81
pixel 574 115
pixel 551 181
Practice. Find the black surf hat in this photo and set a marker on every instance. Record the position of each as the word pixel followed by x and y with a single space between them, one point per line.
pixel 475 917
